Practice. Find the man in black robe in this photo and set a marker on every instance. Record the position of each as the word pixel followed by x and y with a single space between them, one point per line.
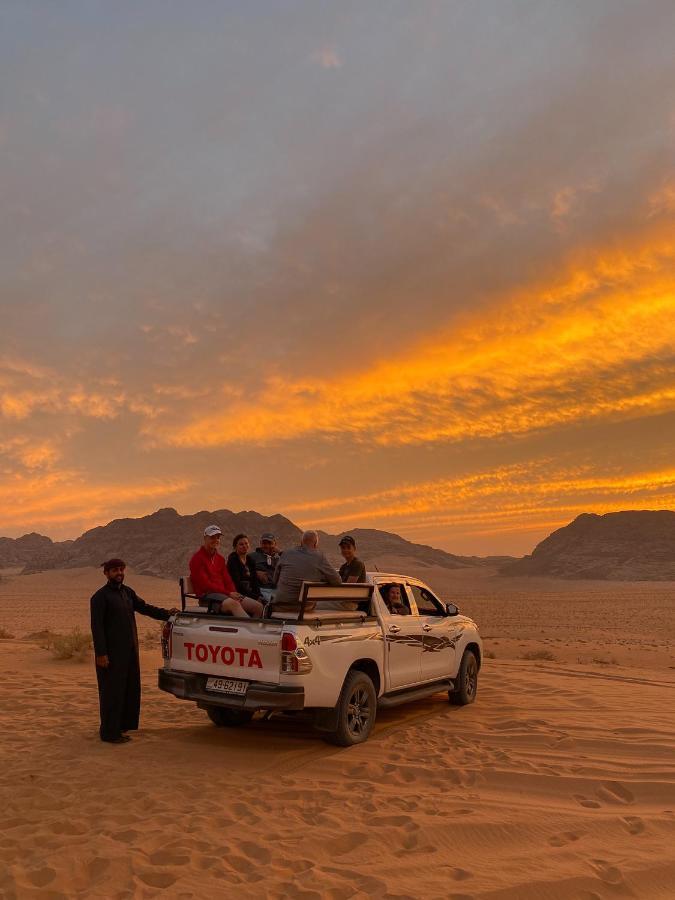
pixel 113 626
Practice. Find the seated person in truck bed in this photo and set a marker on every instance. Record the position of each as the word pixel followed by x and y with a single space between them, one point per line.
pixel 303 563
pixel 265 558
pixel 241 567
pixel 212 583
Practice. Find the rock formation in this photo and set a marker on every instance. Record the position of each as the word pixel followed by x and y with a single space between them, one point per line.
pixel 636 545
pixel 162 543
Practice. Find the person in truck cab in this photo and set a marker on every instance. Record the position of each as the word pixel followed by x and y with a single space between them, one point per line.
pixel 265 558
pixel 303 563
pixel 391 594
pixel 211 581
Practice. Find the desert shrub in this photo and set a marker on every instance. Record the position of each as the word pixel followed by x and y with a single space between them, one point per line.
pixel 490 654
pixel 44 638
pixel 539 654
pixel 74 645
pixel 5 635
pixel 150 640
pixel 602 661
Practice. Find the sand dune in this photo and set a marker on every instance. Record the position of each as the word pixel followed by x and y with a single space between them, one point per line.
pixel 558 783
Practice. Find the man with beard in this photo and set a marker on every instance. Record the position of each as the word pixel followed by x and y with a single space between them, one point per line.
pixel 113 626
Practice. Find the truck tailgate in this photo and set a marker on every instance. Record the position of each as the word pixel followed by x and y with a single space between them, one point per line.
pixel 232 648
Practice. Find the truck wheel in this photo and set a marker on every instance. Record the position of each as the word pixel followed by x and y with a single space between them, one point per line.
pixel 467 681
pixel 229 718
pixel 356 710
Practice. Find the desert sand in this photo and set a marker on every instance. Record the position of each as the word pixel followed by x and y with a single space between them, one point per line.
pixel 559 782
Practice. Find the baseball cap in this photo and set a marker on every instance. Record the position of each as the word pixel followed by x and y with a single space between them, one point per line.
pixel 347 539
pixel 268 536
pixel 212 530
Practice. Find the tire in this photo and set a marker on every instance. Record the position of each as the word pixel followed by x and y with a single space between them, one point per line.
pixel 229 718
pixel 467 681
pixel 356 710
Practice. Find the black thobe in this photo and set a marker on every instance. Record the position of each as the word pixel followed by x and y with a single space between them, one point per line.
pixel 113 626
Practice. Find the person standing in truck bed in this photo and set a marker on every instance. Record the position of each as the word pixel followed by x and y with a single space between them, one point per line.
pixel 352 569
pixel 303 563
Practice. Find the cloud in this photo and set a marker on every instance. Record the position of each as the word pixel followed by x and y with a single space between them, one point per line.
pixel 598 343
pixel 327 58
pixel 68 500
pixel 520 498
pixel 415 262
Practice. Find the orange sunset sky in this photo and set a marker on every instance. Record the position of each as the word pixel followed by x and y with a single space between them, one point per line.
pixel 397 265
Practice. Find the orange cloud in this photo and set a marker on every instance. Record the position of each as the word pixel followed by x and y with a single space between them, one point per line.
pixel 595 345
pixel 65 497
pixel 519 498
pixel 26 389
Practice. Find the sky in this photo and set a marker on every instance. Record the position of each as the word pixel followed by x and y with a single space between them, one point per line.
pixel 397 265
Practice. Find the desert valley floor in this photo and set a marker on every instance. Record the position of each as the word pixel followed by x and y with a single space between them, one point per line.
pixel 559 782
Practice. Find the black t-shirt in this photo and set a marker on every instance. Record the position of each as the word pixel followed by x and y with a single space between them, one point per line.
pixel 353 568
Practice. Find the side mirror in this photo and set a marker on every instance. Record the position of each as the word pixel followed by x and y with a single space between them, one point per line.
pixel 451 609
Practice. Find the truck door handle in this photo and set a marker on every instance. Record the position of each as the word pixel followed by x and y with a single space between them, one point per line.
pixel 426 627
pixel 394 628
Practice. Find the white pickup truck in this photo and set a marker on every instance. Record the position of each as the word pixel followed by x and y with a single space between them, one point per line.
pixel 342 656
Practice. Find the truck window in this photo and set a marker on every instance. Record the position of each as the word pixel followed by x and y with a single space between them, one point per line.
pixel 427 604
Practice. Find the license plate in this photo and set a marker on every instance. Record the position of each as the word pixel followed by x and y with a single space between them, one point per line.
pixel 226 685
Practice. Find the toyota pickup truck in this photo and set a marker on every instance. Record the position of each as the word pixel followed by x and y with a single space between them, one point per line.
pixel 341 656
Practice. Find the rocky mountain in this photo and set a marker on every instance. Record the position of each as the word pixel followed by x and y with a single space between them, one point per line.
pixel 31 550
pixel 635 545
pixel 162 543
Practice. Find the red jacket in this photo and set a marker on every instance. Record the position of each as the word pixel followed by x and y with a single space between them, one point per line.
pixel 209 574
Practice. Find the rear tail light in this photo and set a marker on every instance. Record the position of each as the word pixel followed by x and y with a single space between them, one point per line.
pixel 167 628
pixel 294 660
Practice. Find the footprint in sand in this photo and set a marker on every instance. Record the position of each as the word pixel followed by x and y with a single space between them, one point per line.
pixel 584 801
pixel 566 837
pixel 256 852
pixel 614 792
pixel 157 879
pixel 367 884
pixel 606 872
pixel 410 842
pixel 42 877
pixel 128 837
pixel 379 821
pixel 290 889
pixel 349 842
pixel 97 868
pixel 634 824
pixel 239 863
pixel 405 775
pixel 461 874
pixel 168 858
pixel 67 828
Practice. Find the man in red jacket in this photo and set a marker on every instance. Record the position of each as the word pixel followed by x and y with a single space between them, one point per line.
pixel 211 581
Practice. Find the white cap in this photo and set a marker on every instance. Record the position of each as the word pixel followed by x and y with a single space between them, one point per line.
pixel 212 530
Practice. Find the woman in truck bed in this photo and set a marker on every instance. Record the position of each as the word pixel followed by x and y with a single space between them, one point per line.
pixel 241 567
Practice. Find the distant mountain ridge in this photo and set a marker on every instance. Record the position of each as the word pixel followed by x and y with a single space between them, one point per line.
pixel 635 545
pixel 161 543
